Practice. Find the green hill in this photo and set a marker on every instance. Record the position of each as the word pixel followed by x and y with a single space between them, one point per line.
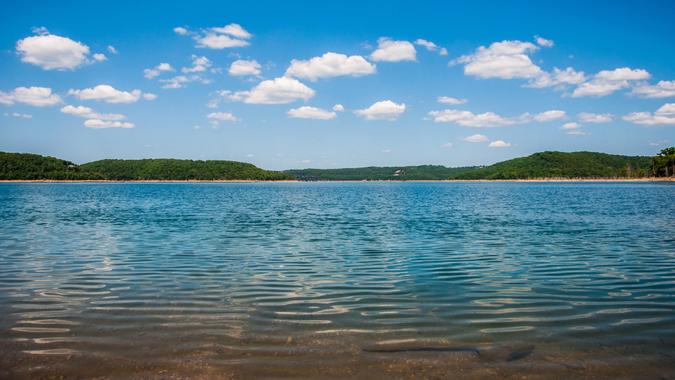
pixel 374 173
pixel 25 166
pixel 563 165
pixel 171 169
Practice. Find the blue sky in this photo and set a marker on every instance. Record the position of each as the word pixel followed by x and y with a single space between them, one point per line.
pixel 339 84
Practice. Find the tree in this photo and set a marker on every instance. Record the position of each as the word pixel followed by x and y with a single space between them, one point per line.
pixel 663 164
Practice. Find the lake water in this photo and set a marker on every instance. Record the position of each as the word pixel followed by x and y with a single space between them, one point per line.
pixel 337 279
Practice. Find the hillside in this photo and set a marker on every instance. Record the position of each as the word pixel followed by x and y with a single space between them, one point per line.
pixel 563 165
pixel 26 166
pixel 374 173
pixel 23 166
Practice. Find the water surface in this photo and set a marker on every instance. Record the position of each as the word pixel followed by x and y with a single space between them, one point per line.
pixel 337 279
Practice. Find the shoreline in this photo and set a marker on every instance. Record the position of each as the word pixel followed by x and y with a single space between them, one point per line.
pixel 534 180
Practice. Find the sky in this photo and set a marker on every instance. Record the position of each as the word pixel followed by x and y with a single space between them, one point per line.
pixel 336 84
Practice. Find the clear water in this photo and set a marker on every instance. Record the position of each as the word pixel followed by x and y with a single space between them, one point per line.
pixel 205 278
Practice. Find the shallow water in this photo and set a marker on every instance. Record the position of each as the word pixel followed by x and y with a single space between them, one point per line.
pixel 337 279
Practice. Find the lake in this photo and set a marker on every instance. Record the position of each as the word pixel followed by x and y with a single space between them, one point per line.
pixel 329 280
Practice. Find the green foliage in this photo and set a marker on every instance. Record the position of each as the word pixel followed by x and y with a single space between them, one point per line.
pixel 25 166
pixel 373 173
pixel 22 166
pixel 563 165
pixel 663 164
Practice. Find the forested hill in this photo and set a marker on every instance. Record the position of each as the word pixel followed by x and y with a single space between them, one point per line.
pixel 23 166
pixel 26 166
pixel 375 173
pixel 564 165
pixel 538 165
pixel 171 169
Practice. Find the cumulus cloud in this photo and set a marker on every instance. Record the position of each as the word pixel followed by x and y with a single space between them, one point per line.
pixel 587 117
pixel 157 70
pixel 451 100
pixel 550 115
pixel 338 108
pixel 499 144
pixel 33 96
pixel 221 116
pixel 382 110
pixel 106 93
pixel 330 65
pixel 607 82
pixel 100 57
pixel 663 89
pixel 243 67
pixel 389 50
pixel 541 41
pixel 469 119
pixel 88 113
pixel 505 60
pixel 199 65
pixel 101 124
pixel 430 46
pixel 306 112
pixel 665 115
pixel 175 82
pixel 228 36
pixel 112 50
pixel 571 125
pixel 557 77
pixel 279 90
pixel 149 96
pixel 180 30
pixel 52 52
pixel 478 138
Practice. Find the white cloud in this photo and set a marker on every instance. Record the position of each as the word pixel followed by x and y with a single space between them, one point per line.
pixel 234 30
pixel 175 82
pixel 430 46
pixel 180 30
pixel 106 93
pixel 34 96
pixel 499 144
pixel 607 82
pixel 451 100
pixel 330 65
pixel 469 119
pixel 476 138
pixel 228 36
pixel 571 125
pixel 665 115
pixel 199 65
pixel 157 70
pixel 88 113
pixel 52 52
pixel 19 115
pixel 558 77
pixel 577 132
pixel 389 50
pixel 541 41
pixel 149 96
pixel 306 112
pixel 242 67
pixel 382 110
pixel 550 115
pixel 443 52
pixel 505 60
pixel 221 116
pixel 219 41
pixel 338 108
pixel 588 117
pixel 99 57
pixel 663 89
pixel 112 50
pixel 100 124
pixel 280 90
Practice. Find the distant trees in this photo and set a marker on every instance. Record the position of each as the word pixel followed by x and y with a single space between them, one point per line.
pixel 663 164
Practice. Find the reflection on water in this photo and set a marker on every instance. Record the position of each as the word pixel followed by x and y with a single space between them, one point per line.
pixel 207 277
